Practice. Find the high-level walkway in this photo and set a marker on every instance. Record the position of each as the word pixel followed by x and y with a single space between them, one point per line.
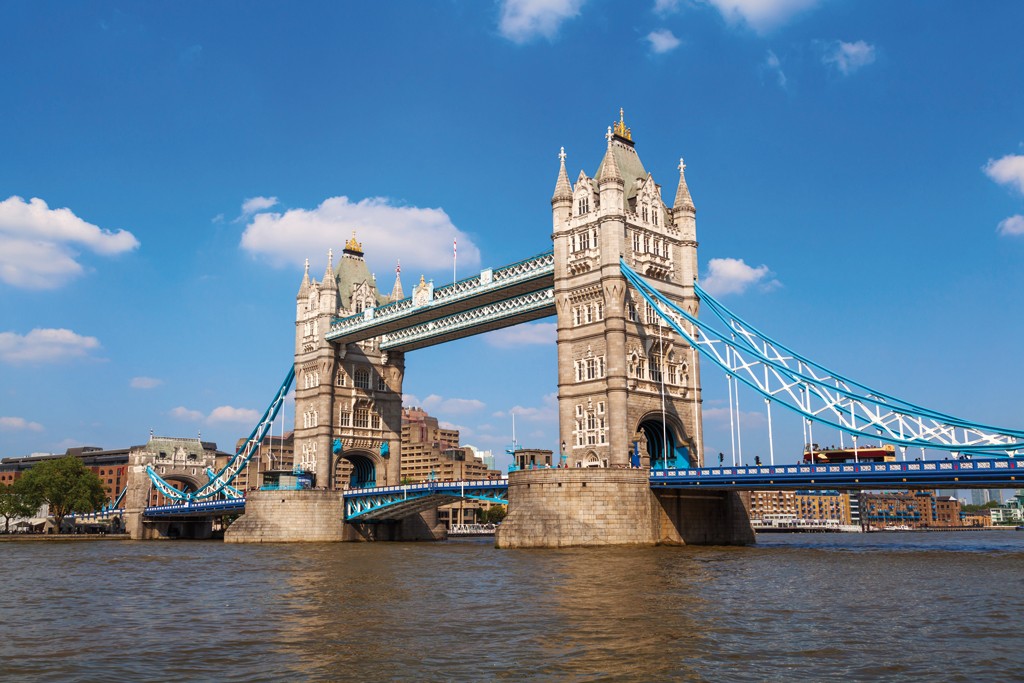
pixel 494 298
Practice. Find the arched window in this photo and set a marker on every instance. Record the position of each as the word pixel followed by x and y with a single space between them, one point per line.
pixel 362 379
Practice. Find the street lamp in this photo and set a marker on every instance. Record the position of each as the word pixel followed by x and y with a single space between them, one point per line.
pixel 561 457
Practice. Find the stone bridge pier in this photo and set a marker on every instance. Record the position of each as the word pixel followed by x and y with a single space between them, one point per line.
pixel 554 508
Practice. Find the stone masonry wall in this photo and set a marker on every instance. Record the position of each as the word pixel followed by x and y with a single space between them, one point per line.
pixel 289 517
pixel 556 508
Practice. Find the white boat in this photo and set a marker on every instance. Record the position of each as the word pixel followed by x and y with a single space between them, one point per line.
pixel 785 523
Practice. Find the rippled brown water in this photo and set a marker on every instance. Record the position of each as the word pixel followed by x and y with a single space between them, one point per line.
pixel 899 607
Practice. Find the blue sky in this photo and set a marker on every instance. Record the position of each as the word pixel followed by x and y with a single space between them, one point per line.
pixel 165 169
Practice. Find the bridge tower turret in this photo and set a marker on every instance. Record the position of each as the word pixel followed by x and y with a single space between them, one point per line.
pixel 347 395
pixel 614 358
pixel 316 303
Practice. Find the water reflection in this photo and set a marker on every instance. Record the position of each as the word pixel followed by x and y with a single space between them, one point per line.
pixel 910 607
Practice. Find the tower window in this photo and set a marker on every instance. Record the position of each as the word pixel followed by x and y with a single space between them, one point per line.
pixel 362 379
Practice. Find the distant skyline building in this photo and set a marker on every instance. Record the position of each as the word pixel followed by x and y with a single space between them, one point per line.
pixel 487 457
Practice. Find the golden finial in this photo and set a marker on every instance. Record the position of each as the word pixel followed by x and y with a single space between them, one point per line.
pixel 354 247
pixel 620 127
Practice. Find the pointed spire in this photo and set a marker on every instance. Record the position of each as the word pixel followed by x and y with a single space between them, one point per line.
pixel 329 280
pixel 304 287
pixel 563 188
pixel 683 199
pixel 396 291
pixel 609 171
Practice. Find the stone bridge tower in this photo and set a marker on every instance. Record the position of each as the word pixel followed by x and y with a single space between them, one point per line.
pixel 346 396
pixel 614 361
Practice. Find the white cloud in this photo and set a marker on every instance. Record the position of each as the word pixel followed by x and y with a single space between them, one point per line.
pixel 548 411
pixel 183 413
pixel 44 345
pixel 523 20
pixel 230 414
pixel 421 238
pixel 733 276
pixel 38 245
pixel 665 6
pixel 760 15
pixel 145 382
pixel 1007 171
pixel 254 205
pixel 1012 226
pixel 662 41
pixel 12 424
pixel 772 64
pixel 523 335
pixel 219 415
pixel 848 57
pixel 440 406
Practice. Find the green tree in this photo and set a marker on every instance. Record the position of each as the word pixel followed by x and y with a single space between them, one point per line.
pixel 494 515
pixel 981 508
pixel 15 501
pixel 66 485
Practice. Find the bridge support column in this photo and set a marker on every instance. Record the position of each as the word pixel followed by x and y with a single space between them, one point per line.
pixel 289 517
pixel 559 508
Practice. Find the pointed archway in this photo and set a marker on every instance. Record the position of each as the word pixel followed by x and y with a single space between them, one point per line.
pixel 666 446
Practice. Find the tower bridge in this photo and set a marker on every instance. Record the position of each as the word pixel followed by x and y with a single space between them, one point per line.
pixel 621 279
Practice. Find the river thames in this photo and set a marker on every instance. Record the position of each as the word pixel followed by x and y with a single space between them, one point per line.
pixel 871 607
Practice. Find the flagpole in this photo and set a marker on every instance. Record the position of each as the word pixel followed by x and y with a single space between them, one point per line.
pixel 455 258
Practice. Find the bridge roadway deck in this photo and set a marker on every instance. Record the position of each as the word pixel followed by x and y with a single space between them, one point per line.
pixel 508 288
pixel 946 474
pixel 204 508
pixel 395 502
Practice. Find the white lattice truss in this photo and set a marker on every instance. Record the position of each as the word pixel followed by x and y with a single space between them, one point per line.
pixel 809 389
pixel 473 318
pixel 530 269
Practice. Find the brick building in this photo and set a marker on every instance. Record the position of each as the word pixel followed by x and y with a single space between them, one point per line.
pixel 909 509
pixel 805 505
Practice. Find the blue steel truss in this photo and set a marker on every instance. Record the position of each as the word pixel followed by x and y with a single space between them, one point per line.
pixel 203 508
pixel 990 473
pixel 395 502
pixel 220 482
pixel 816 393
